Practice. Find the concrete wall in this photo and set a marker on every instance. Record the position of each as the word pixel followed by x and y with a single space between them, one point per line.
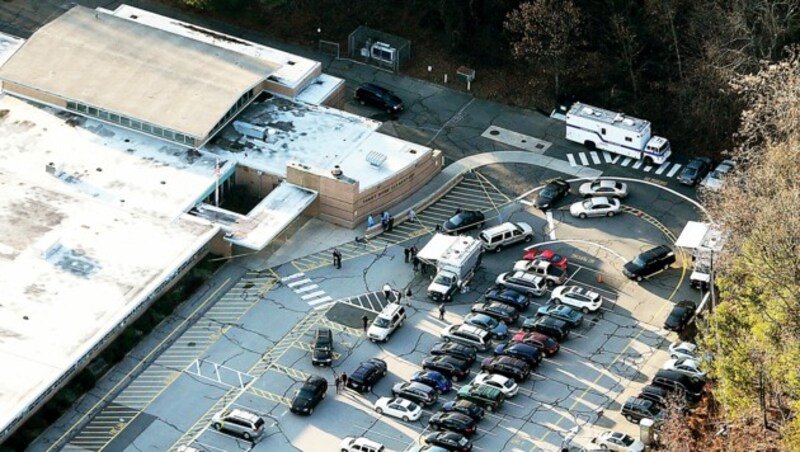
pixel 336 98
pixel 277 87
pixel 258 183
pixel 14 88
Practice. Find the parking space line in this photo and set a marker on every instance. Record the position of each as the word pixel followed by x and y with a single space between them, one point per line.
pixel 294 373
pixel 271 396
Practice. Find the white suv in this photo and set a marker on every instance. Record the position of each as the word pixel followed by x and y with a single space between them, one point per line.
pixel 360 444
pixel 390 319
pixel 577 297
pixel 468 335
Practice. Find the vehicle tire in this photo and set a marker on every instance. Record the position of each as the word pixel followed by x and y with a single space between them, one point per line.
pixel 498 249
pixel 582 216
pixel 639 279
pixel 585 310
pixel 368 389
pixel 405 418
pixel 550 283
pixel 610 214
pixel 557 301
pixel 490 408
pixel 446 339
pixel 528 239
pixel 218 426
pixel 604 447
pixel 379 410
pixel 310 411
pixel 246 436
pixel 629 417
pixel 648 161
pixel 590 145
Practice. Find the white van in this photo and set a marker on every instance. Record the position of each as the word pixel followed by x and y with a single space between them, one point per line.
pixel 508 233
pixel 390 319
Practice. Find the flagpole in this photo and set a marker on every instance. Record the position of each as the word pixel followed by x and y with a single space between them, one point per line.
pixel 216 185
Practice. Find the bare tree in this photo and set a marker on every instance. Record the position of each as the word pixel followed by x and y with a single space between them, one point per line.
pixel 546 29
pixel 627 43
pixel 666 12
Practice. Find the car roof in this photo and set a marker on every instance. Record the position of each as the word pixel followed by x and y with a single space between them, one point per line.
pixel 525 276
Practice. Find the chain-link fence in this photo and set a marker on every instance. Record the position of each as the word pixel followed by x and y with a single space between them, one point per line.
pixel 379 48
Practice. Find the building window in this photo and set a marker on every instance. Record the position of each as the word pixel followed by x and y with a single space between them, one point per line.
pixel 72 106
pixel 147 128
pixel 136 125
pixel 158 131
pixel 82 108
pixel 92 111
pixel 125 121
pixel 103 114
pixel 113 118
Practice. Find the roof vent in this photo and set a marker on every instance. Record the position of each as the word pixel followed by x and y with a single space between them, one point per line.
pixel 337 172
pixel 376 158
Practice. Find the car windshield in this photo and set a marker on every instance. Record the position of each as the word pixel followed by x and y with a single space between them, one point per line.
pixel 457 220
pixel 322 348
pixel 588 204
pixel 305 394
pixel 381 322
pixel 547 192
pixel 639 262
pixel 443 280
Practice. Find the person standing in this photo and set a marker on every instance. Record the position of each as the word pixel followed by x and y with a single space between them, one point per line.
pixel 370 222
pixel 337 258
pixel 398 295
pixel 387 291
pixel 406 254
pixel 337 383
pixel 441 311
pixel 391 224
pixel 415 263
pixel 365 322
pixel 344 380
pixel 412 216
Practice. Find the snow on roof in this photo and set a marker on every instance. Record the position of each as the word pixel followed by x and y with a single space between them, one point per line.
pixel 436 247
pixel 319 90
pixel 291 69
pixel 692 235
pixel 315 136
pixel 8 45
pixel 121 168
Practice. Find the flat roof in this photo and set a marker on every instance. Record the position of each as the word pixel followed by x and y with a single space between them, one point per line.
pixel 609 117
pixel 135 70
pixel 271 216
pixel 315 136
pixel 290 70
pixel 319 90
pixel 8 45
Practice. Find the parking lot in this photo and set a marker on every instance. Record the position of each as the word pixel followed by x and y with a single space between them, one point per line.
pixel 258 361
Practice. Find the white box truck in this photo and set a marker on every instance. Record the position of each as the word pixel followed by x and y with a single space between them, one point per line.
pixel 456 259
pixel 615 132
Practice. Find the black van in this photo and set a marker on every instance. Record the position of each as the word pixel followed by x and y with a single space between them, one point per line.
pixel 378 96
pixel 650 262
pixel 636 409
pixel 675 381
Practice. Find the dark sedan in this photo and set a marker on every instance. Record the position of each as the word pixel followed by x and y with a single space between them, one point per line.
pixel 366 375
pixel 551 326
pixel 449 440
pixel 463 220
pixel 433 379
pixel 507 366
pixel 552 192
pixel 695 171
pixel 498 330
pixel 573 317
pixel 471 409
pixel 460 351
pixel 681 314
pixel 508 296
pixel 449 366
pixel 546 344
pixel 498 311
pixel 309 395
pixel 455 422
pixel 528 353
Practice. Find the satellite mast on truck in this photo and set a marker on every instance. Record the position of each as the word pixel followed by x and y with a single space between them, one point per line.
pixel 614 132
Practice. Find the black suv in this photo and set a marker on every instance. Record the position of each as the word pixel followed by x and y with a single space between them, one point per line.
pixel 471 409
pixel 455 422
pixel 463 220
pixel 378 96
pixel 695 171
pixel 528 353
pixel 508 296
pixel 456 350
pixel 673 380
pixel 551 326
pixel 552 192
pixel 507 366
pixel 649 262
pixel 449 366
pixel 498 311
pixel 366 375
pixel 680 315
pixel 655 393
pixel 416 392
pixel 636 409
pixel 309 395
pixel 322 354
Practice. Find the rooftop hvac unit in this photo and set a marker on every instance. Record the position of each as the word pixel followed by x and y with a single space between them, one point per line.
pixel 383 52
pixel 375 158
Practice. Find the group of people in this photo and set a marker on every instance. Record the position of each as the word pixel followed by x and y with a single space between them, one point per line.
pixel 410 255
pixel 387 220
pixel 339 381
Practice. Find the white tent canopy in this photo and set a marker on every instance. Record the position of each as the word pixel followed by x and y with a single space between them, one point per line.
pixel 693 235
pixel 434 249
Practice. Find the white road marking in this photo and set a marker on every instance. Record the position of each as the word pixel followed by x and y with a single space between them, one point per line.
pixel 526 202
pixel 662 168
pixel 638 164
pixel 571 160
pixel 674 170
pixel 647 168
pixel 291 277
pixel 584 160
pixel 322 306
pixel 595 158
pixel 626 162
pixel 320 300
pixel 313 295
pixel 306 288
pixel 299 283
pixel 607 156
pixel 550 226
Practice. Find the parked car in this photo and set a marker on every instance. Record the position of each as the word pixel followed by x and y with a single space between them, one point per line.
pixel 471 409
pixel 604 187
pixel 694 171
pixel 510 297
pixel 378 97
pixel 551 256
pixel 508 233
pixel 366 375
pixel 655 393
pixel 433 379
pixel 546 344
pixel 551 326
pixel 491 399
pixel 528 353
pixel 468 335
pixel 391 317
pixel 502 383
pixel 672 380
pixel 649 262
pixel 450 441
pixel 322 354
pixel 498 330
pixel 398 407
pixel 449 366
pixel 506 365
pixel 551 193
pixel 527 283
pixel 553 276
pixel 636 409
pixel 460 351
pixel 573 317
pixel 309 395
pixel 417 392
pixel 361 444
pixel 246 424
pixel 498 311
pixel 715 179
pixel 595 207
pixel 577 297
pixel 455 422
pixel 680 316
pixel 618 442
pixel 682 349
pixel 464 220
pixel 685 366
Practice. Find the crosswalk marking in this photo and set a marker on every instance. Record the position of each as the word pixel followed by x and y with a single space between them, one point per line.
pixel 299 283
pixel 648 168
pixel 595 158
pixel 638 164
pixel 607 156
pixel 320 300
pixel 313 295
pixel 662 168
pixel 626 162
pixel 583 158
pixel 571 160
pixel 306 288
pixel 293 276
pixel 673 170
pixel 322 306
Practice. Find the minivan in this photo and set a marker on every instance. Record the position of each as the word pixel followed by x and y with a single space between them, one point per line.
pixel 378 96
pixel 244 423
pixel 508 233
pixel 468 335
pixel 390 318
pixel 649 262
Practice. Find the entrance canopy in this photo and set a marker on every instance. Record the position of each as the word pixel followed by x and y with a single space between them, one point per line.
pixel 693 235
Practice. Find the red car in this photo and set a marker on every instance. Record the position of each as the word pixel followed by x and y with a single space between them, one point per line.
pixel 556 260
pixel 546 344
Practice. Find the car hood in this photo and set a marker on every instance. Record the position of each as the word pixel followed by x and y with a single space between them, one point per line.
pixel 300 404
pixel 321 353
pixel 632 268
pixel 576 208
pixel 543 201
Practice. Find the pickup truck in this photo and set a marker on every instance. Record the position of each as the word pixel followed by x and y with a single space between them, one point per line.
pixel 552 274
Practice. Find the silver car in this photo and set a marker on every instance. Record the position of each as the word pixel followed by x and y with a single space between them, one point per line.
pixel 604 187
pixel 714 179
pixel 595 207
pixel 240 422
